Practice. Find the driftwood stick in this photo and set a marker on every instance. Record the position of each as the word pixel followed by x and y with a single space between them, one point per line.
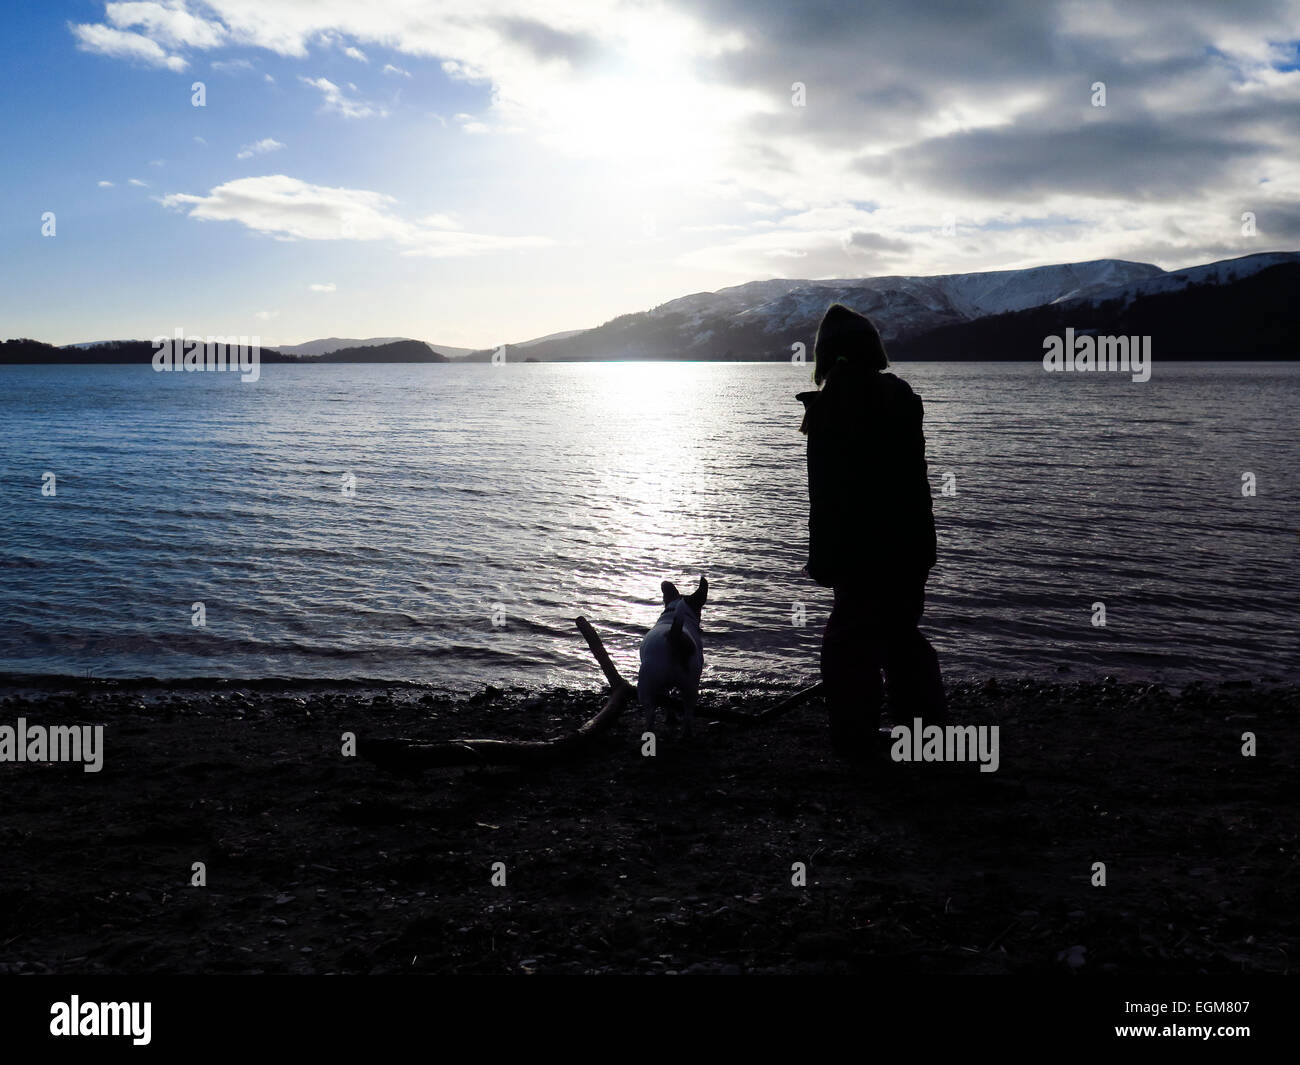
pixel 786 705
pixel 758 717
pixel 410 756
pixel 598 649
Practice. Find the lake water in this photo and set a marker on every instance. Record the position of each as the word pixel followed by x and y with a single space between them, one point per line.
pixel 492 504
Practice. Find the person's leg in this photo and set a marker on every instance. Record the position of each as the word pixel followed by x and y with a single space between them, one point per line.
pixel 911 665
pixel 850 667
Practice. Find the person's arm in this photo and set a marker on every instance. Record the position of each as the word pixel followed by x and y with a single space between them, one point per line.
pixel 825 506
pixel 921 478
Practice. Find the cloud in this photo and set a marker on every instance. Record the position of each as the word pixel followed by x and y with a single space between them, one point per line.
pixel 168 24
pixel 104 40
pixel 600 78
pixel 289 209
pixel 547 41
pixel 920 107
pixel 862 240
pixel 328 286
pixel 231 66
pixel 356 53
pixel 266 316
pixel 338 103
pixel 1128 158
pixel 262 147
pixel 105 184
pixel 470 124
pixel 138 183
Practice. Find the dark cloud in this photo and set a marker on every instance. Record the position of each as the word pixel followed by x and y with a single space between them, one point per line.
pixel 546 42
pixel 1275 222
pixel 1121 159
pixel 874 70
pixel 861 240
pixel 875 73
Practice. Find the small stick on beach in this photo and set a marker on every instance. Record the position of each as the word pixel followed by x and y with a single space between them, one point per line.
pixel 786 705
pixel 406 755
pixel 412 756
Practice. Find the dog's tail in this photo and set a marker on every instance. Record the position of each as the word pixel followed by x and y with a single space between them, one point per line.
pixel 682 645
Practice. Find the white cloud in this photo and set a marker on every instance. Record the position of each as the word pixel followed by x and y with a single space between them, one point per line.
pixel 138 183
pixel 262 147
pixel 338 103
pixel 231 66
pixel 266 316
pixel 355 53
pixel 390 69
pixel 328 286
pixel 289 209
pixel 104 40
pixel 105 184
pixel 597 78
pixel 470 124
pixel 170 24
pixel 440 221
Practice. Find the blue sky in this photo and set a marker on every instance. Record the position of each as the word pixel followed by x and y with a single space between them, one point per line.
pixel 472 174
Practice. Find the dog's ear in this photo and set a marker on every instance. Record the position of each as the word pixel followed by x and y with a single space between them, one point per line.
pixel 697 598
pixel 670 592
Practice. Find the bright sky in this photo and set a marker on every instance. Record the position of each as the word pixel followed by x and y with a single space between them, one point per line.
pixel 487 172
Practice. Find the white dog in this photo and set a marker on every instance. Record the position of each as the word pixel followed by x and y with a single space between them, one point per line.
pixel 672 655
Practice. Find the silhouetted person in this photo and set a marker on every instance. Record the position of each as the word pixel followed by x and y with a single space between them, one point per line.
pixel 871 533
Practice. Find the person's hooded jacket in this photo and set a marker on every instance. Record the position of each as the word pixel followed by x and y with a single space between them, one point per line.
pixel 870 509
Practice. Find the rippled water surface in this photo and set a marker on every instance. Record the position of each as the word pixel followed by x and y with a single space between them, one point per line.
pixel 527 494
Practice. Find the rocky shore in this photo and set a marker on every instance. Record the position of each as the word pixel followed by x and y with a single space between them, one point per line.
pixel 618 863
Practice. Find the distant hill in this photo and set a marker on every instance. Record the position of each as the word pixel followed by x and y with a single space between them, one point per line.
pixel 25 351
pixel 396 351
pixel 485 354
pixel 329 345
pixel 110 352
pixel 317 348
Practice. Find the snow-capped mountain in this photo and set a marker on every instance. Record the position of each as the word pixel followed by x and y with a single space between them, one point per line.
pixel 1237 309
pixel 944 297
pixel 1223 272
pixel 762 319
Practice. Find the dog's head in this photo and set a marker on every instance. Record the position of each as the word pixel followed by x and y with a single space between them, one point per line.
pixel 695 600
